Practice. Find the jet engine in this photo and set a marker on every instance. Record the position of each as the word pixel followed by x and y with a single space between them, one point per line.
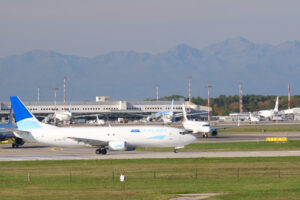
pixel 19 141
pixel 214 133
pixel 117 145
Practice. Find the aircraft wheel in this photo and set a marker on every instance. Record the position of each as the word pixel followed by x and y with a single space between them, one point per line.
pixel 203 135
pixel 98 151
pixel 17 146
pixel 176 151
pixel 103 151
pixel 13 145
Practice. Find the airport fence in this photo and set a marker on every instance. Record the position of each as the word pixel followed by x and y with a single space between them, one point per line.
pixel 213 173
pixel 113 176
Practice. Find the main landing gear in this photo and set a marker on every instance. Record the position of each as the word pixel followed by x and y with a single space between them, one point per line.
pixel 205 135
pixel 14 145
pixel 101 151
pixel 176 150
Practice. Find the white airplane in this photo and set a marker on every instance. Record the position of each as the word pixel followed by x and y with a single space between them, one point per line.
pixel 102 138
pixel 269 114
pixel 63 116
pixel 165 117
pixel 200 126
pixel 254 119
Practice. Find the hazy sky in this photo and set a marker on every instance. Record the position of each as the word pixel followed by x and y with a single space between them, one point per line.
pixel 94 27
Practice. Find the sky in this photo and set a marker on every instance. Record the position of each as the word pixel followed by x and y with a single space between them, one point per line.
pixel 94 27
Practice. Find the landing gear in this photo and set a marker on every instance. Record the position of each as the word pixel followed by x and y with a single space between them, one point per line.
pixel 14 145
pixel 176 150
pixel 101 151
pixel 205 135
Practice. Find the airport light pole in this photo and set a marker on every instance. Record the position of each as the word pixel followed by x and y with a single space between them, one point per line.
pixel 190 78
pixel 241 97
pixel 38 95
pixel 55 89
pixel 208 103
pixel 157 87
pixel 65 93
pixel 289 97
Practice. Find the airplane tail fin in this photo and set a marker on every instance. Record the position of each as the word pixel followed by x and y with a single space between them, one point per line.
pixel 172 106
pixel 24 119
pixel 184 112
pixel 276 104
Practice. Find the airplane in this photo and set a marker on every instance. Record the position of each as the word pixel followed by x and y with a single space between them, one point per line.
pixel 6 134
pixel 165 117
pixel 102 138
pixel 254 119
pixel 63 116
pixel 200 126
pixel 269 114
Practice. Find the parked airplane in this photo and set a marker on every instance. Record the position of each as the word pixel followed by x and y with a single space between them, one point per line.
pixel 165 117
pixel 269 114
pixel 200 126
pixel 254 119
pixel 6 133
pixel 102 138
pixel 63 116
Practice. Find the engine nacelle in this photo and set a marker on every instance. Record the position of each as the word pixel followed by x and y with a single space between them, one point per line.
pixel 117 146
pixel 19 141
pixel 214 133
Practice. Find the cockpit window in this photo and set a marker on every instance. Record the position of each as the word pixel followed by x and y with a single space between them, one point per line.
pixel 206 125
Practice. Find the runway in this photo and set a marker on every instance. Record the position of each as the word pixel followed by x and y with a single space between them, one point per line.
pixel 50 153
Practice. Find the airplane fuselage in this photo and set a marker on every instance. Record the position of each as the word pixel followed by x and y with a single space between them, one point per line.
pixel 142 136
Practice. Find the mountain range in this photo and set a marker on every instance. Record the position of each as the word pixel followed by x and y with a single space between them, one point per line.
pixel 129 75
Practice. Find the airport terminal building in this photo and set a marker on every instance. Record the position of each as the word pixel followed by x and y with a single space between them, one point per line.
pixel 108 109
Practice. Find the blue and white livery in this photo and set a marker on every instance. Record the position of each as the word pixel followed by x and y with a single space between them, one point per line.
pixel 102 138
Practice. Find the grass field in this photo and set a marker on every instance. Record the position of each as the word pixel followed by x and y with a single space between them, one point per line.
pixel 233 146
pixel 262 128
pixel 236 178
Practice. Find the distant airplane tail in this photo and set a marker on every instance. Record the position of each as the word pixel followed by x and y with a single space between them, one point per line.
pixel 24 119
pixel 184 112
pixel 172 106
pixel 276 104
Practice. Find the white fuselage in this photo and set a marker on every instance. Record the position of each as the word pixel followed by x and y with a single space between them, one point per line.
pixel 266 113
pixel 63 116
pixel 197 126
pixel 141 136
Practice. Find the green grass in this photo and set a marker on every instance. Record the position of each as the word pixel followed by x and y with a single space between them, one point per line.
pixel 262 128
pixel 233 146
pixel 236 178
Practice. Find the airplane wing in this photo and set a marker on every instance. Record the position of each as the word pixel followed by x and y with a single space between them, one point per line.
pixel 6 130
pixel 91 142
pixel 223 127
pixel 198 113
